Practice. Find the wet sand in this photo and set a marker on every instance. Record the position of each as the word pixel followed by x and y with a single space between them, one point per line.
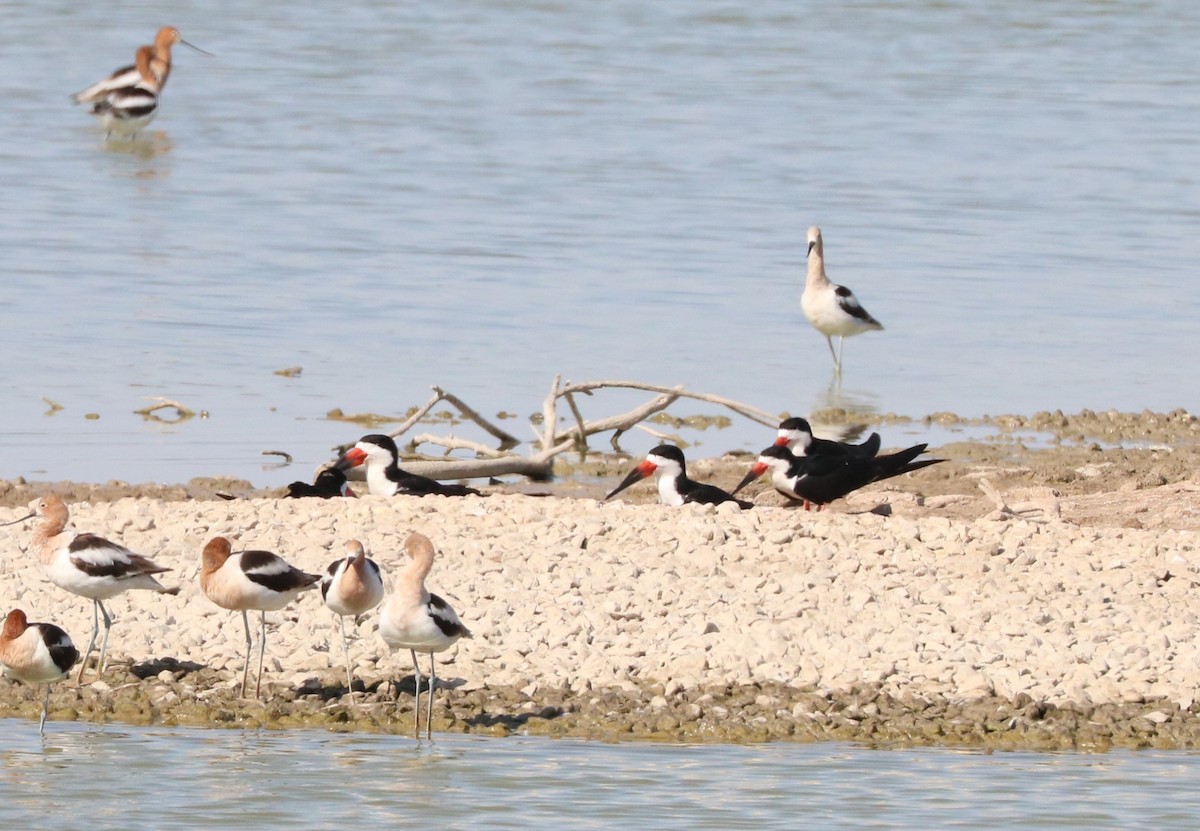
pixel 1018 595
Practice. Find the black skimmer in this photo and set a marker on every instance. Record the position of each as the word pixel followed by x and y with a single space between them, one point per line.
pixel 385 476
pixel 830 308
pixel 250 580
pixel 818 480
pixel 352 586
pixel 89 566
pixel 330 483
pixel 418 621
pixel 674 487
pixel 35 653
pixel 796 434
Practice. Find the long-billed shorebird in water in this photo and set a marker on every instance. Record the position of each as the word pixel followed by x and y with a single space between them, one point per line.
pixel 250 580
pixel 418 621
pixel 129 88
pixel 89 566
pixel 35 653
pixel 830 308
pixel 352 586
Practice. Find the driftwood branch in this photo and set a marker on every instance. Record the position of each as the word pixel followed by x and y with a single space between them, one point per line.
pixel 483 468
pixel 746 410
pixel 580 442
pixel 548 441
pixel 150 413
pixel 450 443
pixel 550 414
pixel 507 440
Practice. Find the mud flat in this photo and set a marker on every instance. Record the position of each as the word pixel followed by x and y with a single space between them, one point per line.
pixel 1022 613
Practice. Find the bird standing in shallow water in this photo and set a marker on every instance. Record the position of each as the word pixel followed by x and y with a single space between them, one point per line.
pixel 830 308
pixel 352 586
pixel 35 653
pixel 418 621
pixel 250 580
pixel 128 99
pixel 89 566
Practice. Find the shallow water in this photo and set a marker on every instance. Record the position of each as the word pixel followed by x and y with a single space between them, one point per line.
pixel 484 195
pixel 121 777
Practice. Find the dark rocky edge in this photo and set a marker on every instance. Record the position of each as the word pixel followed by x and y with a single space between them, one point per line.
pixel 173 694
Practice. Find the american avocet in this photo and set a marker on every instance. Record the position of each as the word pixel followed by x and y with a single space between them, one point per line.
pixel 830 308
pixel 674 486
pixel 128 76
pixel 352 586
pixel 818 480
pixel 384 475
pixel 35 653
pixel 250 580
pixel 128 109
pixel 796 434
pixel 89 566
pixel 330 482
pixel 418 621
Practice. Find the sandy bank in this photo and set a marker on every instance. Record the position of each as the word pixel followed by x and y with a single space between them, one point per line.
pixel 619 619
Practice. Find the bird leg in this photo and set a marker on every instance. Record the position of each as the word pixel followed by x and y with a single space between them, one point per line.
pixel 346 652
pixel 429 696
pixel 45 709
pixel 249 644
pixel 837 362
pixel 104 643
pixel 91 642
pixel 417 702
pixel 262 648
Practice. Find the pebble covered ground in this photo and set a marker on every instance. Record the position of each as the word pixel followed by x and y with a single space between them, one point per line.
pixel 897 617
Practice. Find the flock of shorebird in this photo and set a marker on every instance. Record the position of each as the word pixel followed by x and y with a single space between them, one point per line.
pixel 90 566
pixel 803 468
pixel 127 100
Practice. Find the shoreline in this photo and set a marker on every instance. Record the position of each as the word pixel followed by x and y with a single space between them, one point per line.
pixel 923 610
pixel 654 713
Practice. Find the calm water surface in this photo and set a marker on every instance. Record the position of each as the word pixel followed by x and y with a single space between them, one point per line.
pixel 121 777
pixel 482 195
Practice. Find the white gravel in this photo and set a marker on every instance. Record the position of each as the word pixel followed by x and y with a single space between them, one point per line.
pixel 572 592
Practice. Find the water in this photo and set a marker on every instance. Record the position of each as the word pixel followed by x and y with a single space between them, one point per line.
pixel 483 195
pixel 122 777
